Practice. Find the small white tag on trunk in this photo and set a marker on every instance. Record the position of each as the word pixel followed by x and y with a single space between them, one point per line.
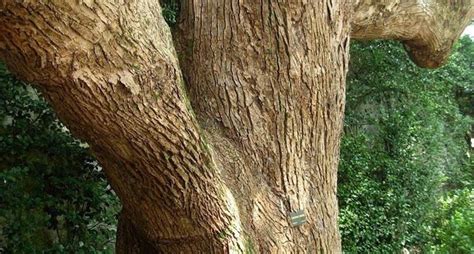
pixel 297 218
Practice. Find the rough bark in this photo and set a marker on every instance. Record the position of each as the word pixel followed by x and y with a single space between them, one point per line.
pixel 111 73
pixel 428 29
pixel 266 80
pixel 273 75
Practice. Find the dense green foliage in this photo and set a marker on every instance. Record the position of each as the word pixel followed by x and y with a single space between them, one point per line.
pixel 405 154
pixel 454 223
pixel 170 10
pixel 53 196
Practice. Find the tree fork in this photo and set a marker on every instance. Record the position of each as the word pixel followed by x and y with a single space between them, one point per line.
pixel 266 81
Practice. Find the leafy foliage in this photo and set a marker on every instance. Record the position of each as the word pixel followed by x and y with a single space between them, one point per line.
pixel 454 228
pixel 404 145
pixel 54 197
pixel 170 11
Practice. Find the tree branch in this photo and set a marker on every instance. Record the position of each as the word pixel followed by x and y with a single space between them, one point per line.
pixel 110 71
pixel 427 28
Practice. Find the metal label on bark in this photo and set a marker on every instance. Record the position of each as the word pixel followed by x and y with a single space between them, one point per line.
pixel 297 218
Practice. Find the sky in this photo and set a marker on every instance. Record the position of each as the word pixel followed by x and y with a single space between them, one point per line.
pixel 469 30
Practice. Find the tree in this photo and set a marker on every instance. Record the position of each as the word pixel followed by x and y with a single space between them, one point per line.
pixel 232 146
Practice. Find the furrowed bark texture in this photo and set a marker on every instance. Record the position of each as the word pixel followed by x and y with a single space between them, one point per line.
pixel 427 28
pixel 110 71
pixel 266 80
pixel 272 74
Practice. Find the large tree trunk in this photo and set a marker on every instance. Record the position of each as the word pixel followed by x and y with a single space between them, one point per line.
pixel 272 75
pixel 266 82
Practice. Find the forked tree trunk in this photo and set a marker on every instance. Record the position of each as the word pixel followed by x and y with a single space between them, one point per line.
pixel 266 83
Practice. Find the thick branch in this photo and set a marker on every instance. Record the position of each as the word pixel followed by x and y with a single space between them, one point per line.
pixel 428 28
pixel 110 71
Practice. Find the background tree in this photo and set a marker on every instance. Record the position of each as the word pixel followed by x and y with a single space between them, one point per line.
pixel 266 83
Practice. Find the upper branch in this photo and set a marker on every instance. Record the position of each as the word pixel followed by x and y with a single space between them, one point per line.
pixel 428 28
